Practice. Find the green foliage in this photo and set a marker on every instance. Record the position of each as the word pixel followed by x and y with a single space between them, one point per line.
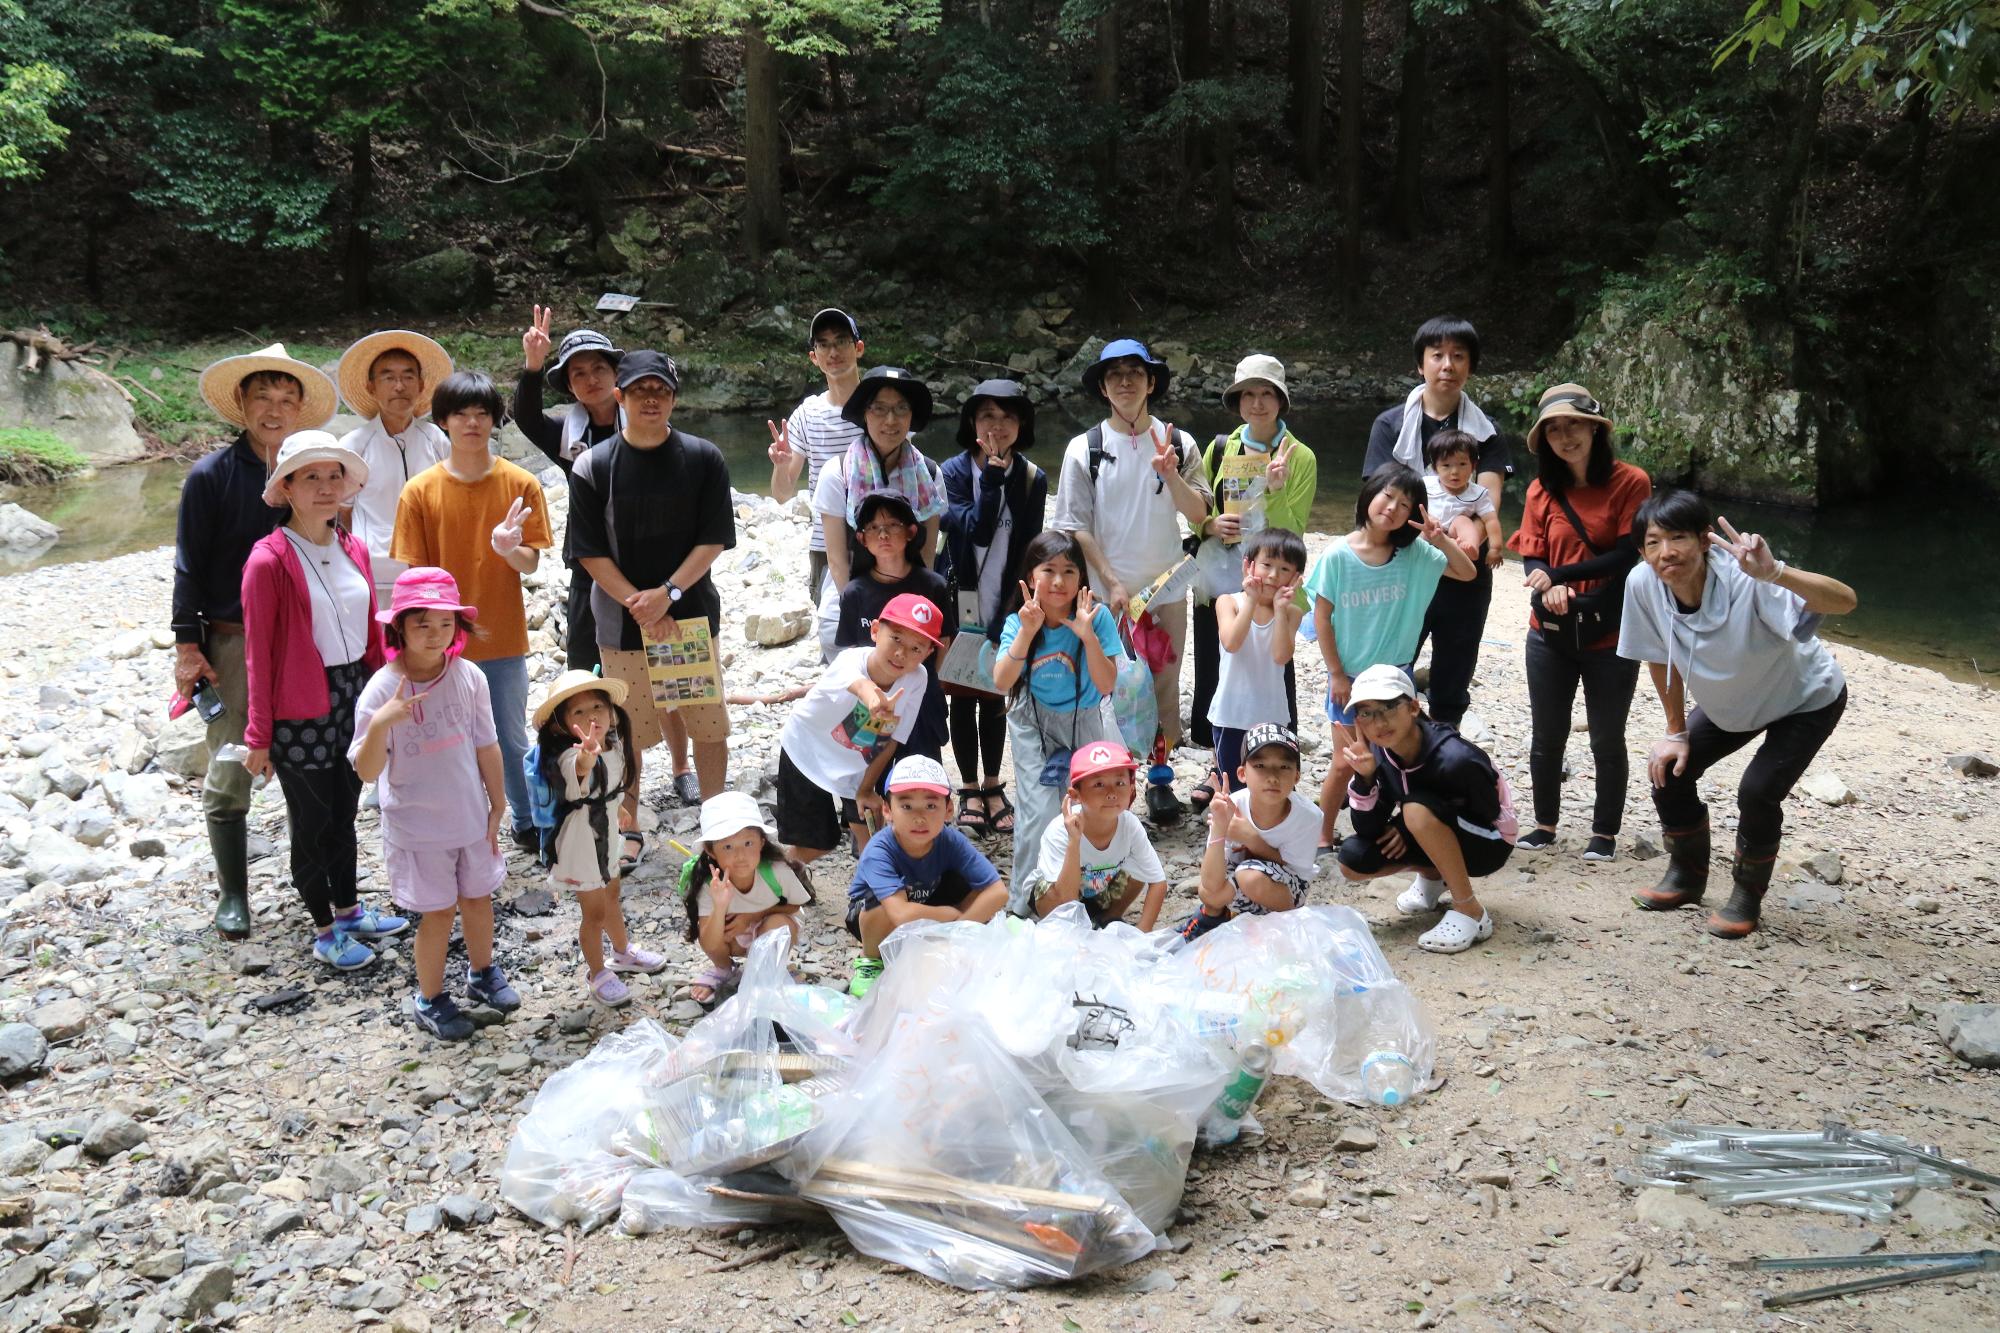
pixel 30 457
pixel 1200 103
pixel 1946 52
pixel 212 172
pixel 26 130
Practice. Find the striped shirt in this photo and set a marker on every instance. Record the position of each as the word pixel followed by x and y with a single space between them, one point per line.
pixel 817 429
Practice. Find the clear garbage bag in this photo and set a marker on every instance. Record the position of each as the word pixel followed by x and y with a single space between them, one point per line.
pixel 659 1199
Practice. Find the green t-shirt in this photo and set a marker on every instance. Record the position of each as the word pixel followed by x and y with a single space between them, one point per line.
pixel 1290 507
pixel 1378 610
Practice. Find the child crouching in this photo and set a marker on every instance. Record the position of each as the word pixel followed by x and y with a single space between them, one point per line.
pixel 1097 853
pixel 738 885
pixel 1261 840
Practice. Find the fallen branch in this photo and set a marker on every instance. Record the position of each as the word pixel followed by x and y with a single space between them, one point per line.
pixel 756 1256
pixel 708 154
pixel 127 379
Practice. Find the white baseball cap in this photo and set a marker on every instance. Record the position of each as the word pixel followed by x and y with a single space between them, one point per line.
pixel 1381 683
pixel 918 772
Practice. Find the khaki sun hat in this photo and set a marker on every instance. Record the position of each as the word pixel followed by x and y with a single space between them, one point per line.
pixel 576 682
pixel 1258 368
pixel 221 383
pixel 357 361
pixel 1565 400
pixel 314 446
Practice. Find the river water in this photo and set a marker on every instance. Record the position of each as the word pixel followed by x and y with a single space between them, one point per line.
pixel 1908 558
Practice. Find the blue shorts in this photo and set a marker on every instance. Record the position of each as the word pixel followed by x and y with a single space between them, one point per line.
pixel 1345 716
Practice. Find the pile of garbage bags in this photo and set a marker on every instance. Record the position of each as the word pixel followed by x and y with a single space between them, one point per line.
pixel 1014 1103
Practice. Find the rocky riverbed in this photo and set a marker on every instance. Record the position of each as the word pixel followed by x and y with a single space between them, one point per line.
pixel 228 1134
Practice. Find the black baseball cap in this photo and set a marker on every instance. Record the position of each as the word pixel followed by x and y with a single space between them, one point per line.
pixel 636 366
pixel 832 318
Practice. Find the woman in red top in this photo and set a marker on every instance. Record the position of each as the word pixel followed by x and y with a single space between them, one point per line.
pixel 1575 541
pixel 310 644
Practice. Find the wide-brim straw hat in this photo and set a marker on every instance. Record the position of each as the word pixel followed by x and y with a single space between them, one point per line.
pixel 314 446
pixel 1566 400
pixel 576 682
pixel 357 361
pixel 220 382
pixel 1258 369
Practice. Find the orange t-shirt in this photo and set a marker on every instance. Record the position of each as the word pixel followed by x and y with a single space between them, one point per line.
pixel 449 523
pixel 1546 533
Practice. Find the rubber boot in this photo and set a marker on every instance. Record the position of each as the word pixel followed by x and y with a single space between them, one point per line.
pixel 1752 879
pixel 229 842
pixel 1687 872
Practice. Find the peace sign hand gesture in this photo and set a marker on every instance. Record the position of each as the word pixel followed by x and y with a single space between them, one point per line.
pixel 1427 527
pixel 1355 751
pixel 783 457
pixel 507 532
pixel 1280 465
pixel 535 339
pixel 590 739
pixel 1752 553
pixel 1031 613
pixel 1166 460
pixel 883 716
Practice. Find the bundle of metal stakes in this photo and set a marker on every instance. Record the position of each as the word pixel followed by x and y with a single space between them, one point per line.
pixel 1834 1169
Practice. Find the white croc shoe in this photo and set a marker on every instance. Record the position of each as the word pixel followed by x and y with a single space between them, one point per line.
pixel 1423 895
pixel 1456 933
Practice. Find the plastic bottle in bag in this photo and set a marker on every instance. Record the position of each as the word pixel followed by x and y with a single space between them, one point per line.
pixel 1388 1078
pixel 1224 1120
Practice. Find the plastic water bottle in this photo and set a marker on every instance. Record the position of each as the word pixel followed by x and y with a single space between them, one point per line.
pixel 230 752
pixel 1388 1078
pixel 1224 1120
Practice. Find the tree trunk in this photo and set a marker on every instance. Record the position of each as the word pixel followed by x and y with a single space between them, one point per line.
pixel 763 148
pixel 695 92
pixel 357 256
pixel 1350 150
pixel 1222 232
pixel 1195 64
pixel 1499 164
pixel 1103 286
pixel 836 87
pixel 1408 195
pixel 1784 215
pixel 1304 69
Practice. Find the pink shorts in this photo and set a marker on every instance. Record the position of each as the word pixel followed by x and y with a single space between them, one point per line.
pixel 434 879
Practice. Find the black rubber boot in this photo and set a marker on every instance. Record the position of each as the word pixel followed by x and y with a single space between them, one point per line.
pixel 1687 872
pixel 229 841
pixel 1752 879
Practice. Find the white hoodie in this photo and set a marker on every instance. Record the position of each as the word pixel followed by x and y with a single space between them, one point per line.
pixel 1750 654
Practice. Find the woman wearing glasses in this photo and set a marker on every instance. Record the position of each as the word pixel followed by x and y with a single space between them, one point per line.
pixel 890 405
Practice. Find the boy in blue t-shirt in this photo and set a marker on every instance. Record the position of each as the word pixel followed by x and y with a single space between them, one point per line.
pixel 925 870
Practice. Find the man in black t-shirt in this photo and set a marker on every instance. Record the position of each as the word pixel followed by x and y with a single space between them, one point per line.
pixel 650 510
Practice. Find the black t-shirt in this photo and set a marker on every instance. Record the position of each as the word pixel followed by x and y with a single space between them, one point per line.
pixel 659 504
pixel 1494 456
pixel 862 600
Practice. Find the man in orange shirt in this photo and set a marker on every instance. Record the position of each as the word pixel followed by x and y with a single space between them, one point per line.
pixel 483 519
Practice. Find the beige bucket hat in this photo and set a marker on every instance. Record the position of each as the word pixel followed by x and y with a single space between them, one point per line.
pixel 221 382
pixel 1565 400
pixel 1257 368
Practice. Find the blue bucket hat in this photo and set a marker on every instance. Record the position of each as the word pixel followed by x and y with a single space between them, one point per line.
pixel 1119 350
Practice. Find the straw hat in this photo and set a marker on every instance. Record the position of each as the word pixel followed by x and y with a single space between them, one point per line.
pixel 576 682
pixel 220 382
pixel 1258 369
pixel 358 360
pixel 314 446
pixel 1566 400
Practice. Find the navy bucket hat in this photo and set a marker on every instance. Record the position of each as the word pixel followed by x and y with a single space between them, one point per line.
pixel 1008 394
pixel 1120 350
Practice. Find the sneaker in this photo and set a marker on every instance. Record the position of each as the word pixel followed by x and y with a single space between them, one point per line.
pixel 635 960
pixel 529 840
pixel 442 1018
pixel 342 951
pixel 1601 848
pixel 488 986
pixel 867 971
pixel 608 990
pixel 1162 806
pixel 369 924
pixel 1423 895
pixel 1199 925
pixel 1535 840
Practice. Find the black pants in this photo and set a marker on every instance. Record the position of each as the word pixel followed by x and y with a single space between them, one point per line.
pixel 1554 671
pixel 1483 855
pixel 1454 624
pixel 1789 746
pixel 1207 637
pixel 581 650
pixel 322 803
pixel 978 733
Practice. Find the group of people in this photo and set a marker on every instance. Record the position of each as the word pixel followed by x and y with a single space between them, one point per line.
pixel 351 611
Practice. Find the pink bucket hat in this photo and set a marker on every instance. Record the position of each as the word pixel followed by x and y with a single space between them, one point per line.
pixel 425 588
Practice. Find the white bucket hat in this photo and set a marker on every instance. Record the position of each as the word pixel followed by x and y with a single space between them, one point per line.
pixel 731 812
pixel 313 446
pixel 1257 368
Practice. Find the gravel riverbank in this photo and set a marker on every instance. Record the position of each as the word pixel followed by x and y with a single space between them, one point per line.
pixel 197 1130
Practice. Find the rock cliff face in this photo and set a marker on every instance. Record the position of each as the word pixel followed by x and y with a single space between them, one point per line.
pixel 82 409
pixel 1715 403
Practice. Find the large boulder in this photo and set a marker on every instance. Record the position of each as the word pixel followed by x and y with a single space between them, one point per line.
pixel 21 530
pixel 439 283
pixel 71 401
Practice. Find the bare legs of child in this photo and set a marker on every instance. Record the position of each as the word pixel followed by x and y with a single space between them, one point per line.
pixel 604 916
pixel 707 986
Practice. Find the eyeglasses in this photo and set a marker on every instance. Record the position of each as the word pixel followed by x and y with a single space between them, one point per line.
pixel 885 530
pixel 888 411
pixel 1381 713
pixel 833 344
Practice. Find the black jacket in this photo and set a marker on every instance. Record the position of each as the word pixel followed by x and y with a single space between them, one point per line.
pixel 967 525
pixel 1452 776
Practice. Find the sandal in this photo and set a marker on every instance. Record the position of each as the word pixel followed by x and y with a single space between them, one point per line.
pixel 688 788
pixel 712 981
pixel 972 819
pixel 629 861
pixel 608 990
pixel 1203 793
pixel 1006 810
pixel 1456 933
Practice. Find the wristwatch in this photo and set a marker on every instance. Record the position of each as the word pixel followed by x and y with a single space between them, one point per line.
pixel 673 595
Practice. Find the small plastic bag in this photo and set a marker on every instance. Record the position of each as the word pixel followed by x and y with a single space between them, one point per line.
pixel 659 1199
pixel 1133 704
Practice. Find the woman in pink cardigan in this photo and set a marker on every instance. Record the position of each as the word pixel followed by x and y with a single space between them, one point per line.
pixel 310 644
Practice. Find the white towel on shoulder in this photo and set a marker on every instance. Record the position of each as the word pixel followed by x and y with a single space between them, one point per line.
pixel 1410 440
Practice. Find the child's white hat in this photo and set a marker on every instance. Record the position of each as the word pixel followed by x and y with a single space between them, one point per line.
pixel 731 812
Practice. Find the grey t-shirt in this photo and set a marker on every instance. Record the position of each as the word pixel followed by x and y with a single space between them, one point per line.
pixel 1750 654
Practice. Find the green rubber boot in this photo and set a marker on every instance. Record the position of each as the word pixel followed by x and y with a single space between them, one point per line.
pixel 229 841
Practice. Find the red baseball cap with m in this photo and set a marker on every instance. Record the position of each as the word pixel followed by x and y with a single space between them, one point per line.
pixel 916 613
pixel 1099 757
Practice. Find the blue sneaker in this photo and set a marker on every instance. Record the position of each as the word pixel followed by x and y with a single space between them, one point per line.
pixel 442 1018
pixel 341 951
pixel 488 986
pixel 370 924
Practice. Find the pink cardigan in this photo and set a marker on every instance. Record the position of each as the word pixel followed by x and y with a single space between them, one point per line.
pixel 287 676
